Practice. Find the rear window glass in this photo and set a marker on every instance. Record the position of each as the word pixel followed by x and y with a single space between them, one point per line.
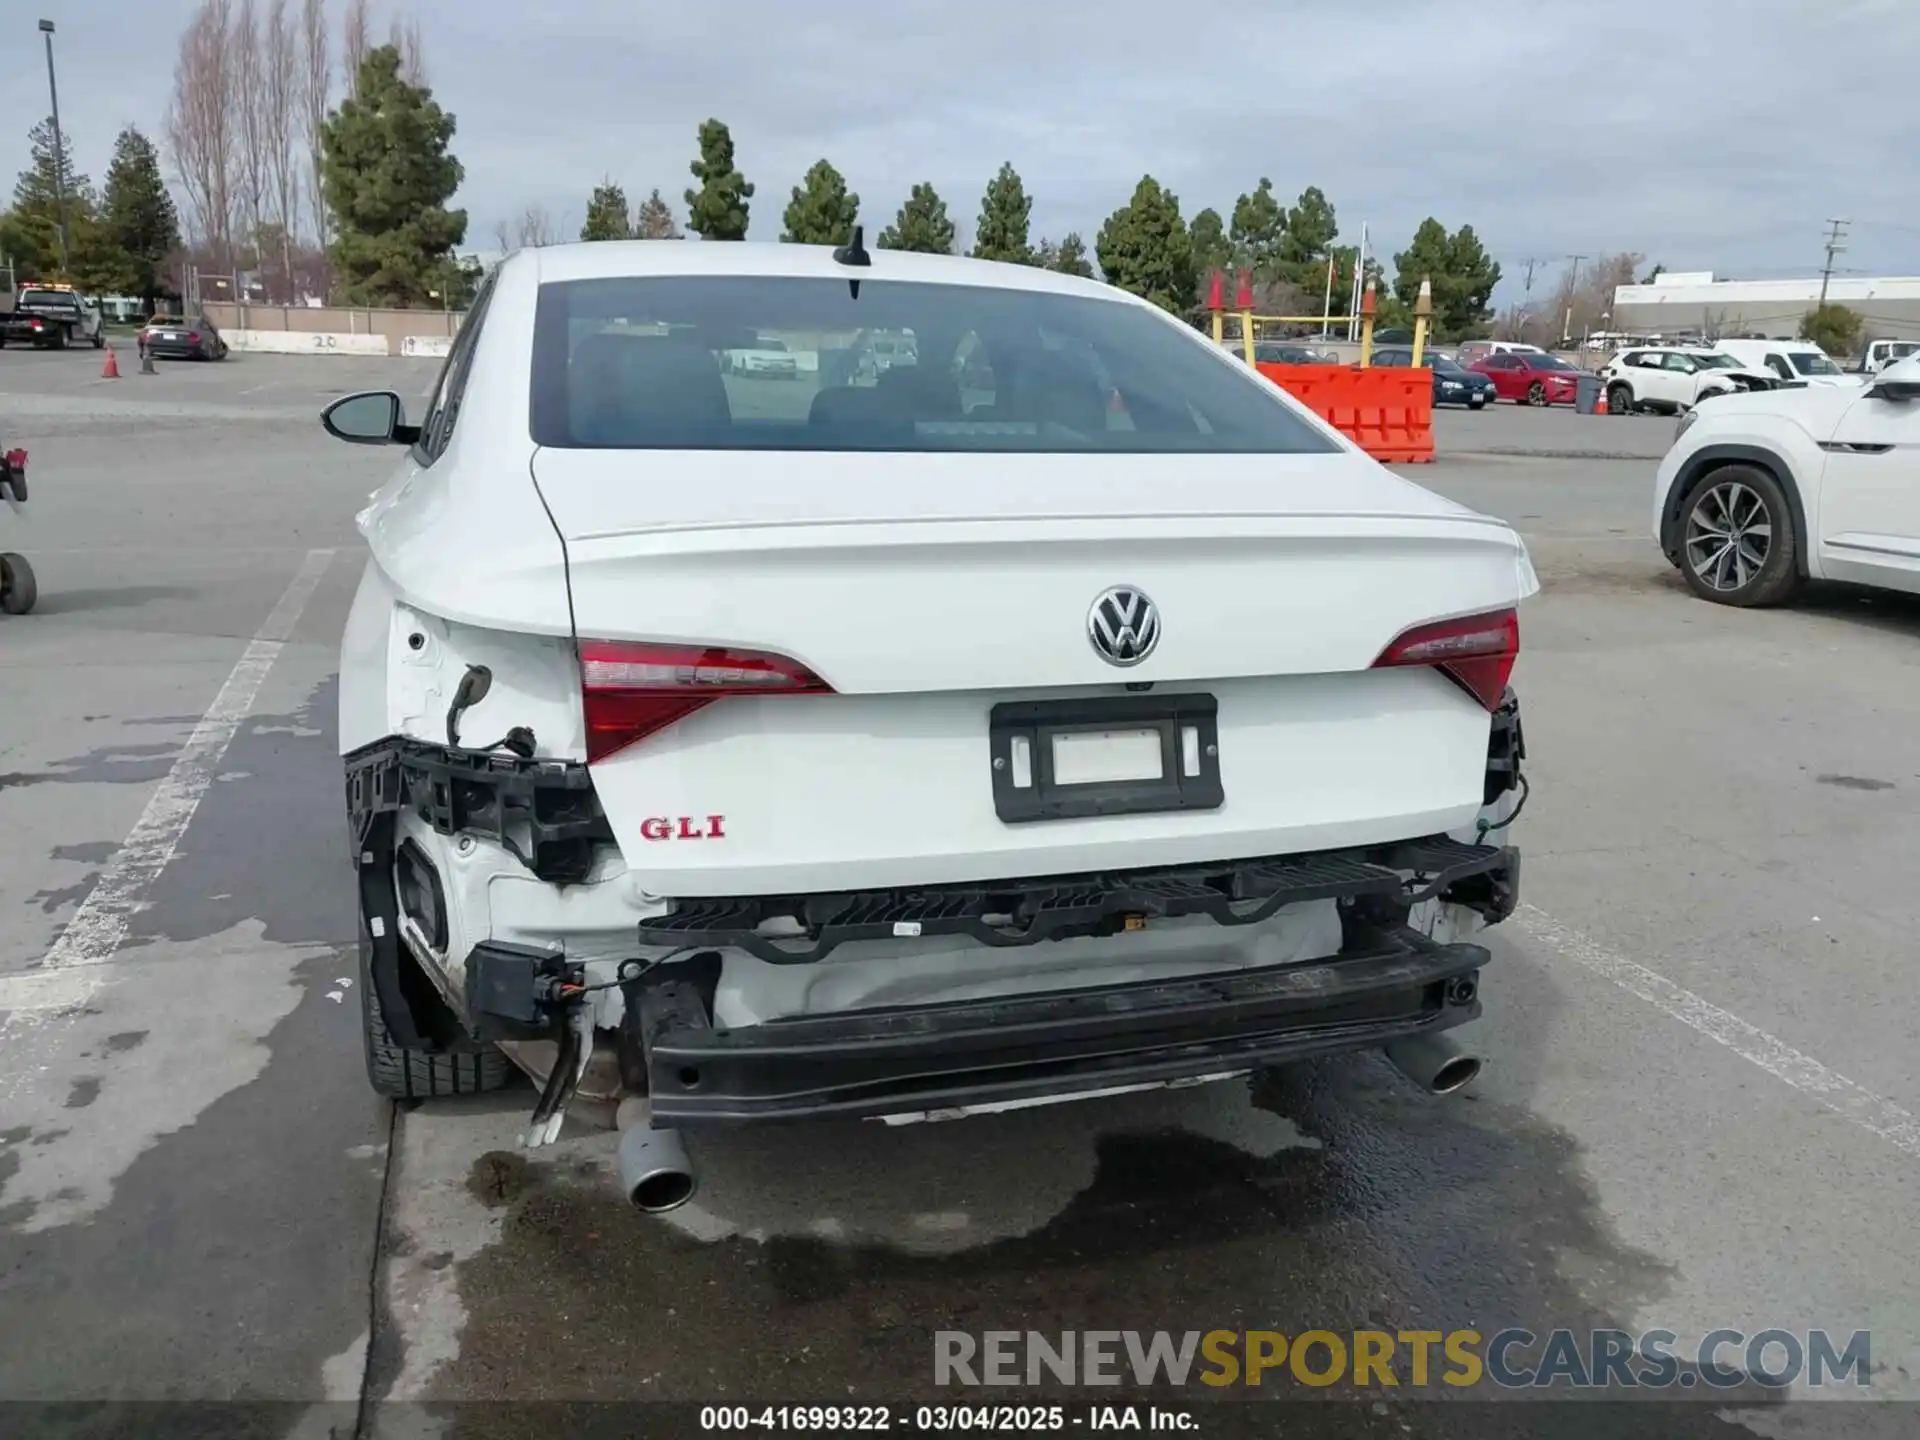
pixel 48 297
pixel 681 363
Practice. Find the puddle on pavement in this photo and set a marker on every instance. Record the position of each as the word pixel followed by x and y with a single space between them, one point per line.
pixel 1329 1196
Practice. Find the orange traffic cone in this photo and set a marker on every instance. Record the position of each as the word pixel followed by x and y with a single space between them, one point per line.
pixel 1600 402
pixel 110 370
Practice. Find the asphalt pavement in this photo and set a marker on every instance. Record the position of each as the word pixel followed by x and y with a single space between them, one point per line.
pixel 1698 1111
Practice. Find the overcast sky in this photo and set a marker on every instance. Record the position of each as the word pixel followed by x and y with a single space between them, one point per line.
pixel 1707 134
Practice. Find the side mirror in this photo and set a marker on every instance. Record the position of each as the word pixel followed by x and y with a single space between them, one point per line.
pixel 1899 391
pixel 373 417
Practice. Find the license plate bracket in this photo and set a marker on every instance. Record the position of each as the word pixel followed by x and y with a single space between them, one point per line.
pixel 1022 739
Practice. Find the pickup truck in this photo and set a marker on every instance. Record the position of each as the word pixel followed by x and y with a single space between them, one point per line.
pixel 52 316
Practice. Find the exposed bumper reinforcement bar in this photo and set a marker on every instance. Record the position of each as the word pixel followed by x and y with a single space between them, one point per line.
pixel 880 1062
pixel 1025 912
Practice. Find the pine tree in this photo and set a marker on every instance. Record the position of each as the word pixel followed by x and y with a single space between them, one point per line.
pixel 1259 225
pixel 1211 249
pixel 718 209
pixel 1004 211
pixel 1144 248
pixel 1071 257
pixel 654 220
pixel 140 227
pixel 822 210
pixel 36 192
pixel 922 224
pixel 388 178
pixel 607 214
pixel 1463 276
pixel 1307 242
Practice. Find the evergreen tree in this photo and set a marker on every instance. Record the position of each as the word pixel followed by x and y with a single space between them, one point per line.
pixel 1462 272
pixel 718 209
pixel 1307 242
pixel 1211 249
pixel 1257 229
pixel 1004 210
pixel 140 227
pixel 606 214
pixel 922 224
pixel 654 219
pixel 1071 257
pixel 388 177
pixel 822 210
pixel 37 191
pixel 1144 247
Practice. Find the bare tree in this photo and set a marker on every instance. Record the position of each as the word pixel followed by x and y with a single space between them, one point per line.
pixel 405 37
pixel 200 129
pixel 356 39
pixel 315 100
pixel 535 227
pixel 280 105
pixel 248 97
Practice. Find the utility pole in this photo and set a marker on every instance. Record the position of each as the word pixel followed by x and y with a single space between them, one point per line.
pixel 59 153
pixel 1573 285
pixel 1530 262
pixel 1836 242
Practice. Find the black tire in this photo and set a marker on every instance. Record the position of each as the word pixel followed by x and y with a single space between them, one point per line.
pixel 100 341
pixel 18 484
pixel 1619 399
pixel 60 339
pixel 1537 393
pixel 1747 503
pixel 17 588
pixel 463 1067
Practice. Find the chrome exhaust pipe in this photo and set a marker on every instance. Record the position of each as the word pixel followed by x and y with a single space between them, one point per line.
pixel 1434 1063
pixel 655 1174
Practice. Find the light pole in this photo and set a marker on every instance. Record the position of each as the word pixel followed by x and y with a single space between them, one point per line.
pixel 59 151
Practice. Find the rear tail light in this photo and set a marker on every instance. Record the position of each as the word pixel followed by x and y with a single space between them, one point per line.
pixel 193 337
pixel 1476 652
pixel 631 690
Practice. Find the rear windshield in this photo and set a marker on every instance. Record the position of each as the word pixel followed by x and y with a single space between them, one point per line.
pixel 650 363
pixel 48 297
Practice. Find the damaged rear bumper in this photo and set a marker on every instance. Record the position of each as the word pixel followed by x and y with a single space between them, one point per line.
pixel 1047 1046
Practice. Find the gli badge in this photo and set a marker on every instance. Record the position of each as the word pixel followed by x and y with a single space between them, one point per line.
pixel 683 827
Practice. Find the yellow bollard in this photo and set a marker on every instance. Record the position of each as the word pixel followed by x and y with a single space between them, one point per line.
pixel 1246 334
pixel 1219 328
pixel 1422 317
pixel 1368 303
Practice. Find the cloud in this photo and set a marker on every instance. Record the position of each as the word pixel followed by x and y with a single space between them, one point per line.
pixel 1705 136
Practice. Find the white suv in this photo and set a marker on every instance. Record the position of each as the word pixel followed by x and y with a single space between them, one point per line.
pixel 1674 379
pixel 1762 492
pixel 884 749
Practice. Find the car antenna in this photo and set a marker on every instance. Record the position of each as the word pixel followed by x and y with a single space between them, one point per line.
pixel 854 252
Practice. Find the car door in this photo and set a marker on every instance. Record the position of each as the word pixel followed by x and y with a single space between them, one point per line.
pixel 1869 506
pixel 1504 371
pixel 1680 375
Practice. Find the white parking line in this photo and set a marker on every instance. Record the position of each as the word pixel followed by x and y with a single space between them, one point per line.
pixel 1850 1101
pixel 99 927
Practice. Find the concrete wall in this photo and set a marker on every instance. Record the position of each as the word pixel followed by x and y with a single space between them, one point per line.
pixel 395 325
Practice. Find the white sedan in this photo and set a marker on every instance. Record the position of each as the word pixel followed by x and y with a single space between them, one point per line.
pixel 1765 491
pixel 891 750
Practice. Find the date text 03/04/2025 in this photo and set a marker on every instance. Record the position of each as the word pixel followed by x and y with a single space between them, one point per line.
pixel 939 1419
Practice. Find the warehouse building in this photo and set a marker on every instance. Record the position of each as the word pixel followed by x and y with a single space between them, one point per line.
pixel 1696 302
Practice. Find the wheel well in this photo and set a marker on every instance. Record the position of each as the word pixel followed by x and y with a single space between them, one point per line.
pixel 1711 460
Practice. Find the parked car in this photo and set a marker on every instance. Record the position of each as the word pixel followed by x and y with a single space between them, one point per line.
pixel 1881 353
pixel 1671 380
pixel 175 337
pixel 1452 385
pixel 1470 352
pixel 1529 377
pixel 767 357
pixel 1281 352
pixel 1797 360
pixel 647 709
pixel 52 317
pixel 1764 491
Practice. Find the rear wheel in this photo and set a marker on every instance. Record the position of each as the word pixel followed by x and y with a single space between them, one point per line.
pixel 1619 400
pixel 60 339
pixel 17 590
pixel 1737 545
pixel 100 340
pixel 1537 393
pixel 460 1067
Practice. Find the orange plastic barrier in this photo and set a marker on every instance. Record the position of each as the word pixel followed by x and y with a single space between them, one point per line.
pixel 1385 410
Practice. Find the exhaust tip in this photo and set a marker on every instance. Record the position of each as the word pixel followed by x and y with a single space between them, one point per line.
pixel 655 1174
pixel 662 1191
pixel 1456 1074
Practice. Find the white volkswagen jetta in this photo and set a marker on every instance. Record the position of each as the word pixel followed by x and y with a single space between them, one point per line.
pixel 1061 711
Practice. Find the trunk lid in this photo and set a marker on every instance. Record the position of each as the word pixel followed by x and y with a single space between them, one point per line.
pixel 927 591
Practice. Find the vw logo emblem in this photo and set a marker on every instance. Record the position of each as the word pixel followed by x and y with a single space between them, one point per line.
pixel 1123 625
